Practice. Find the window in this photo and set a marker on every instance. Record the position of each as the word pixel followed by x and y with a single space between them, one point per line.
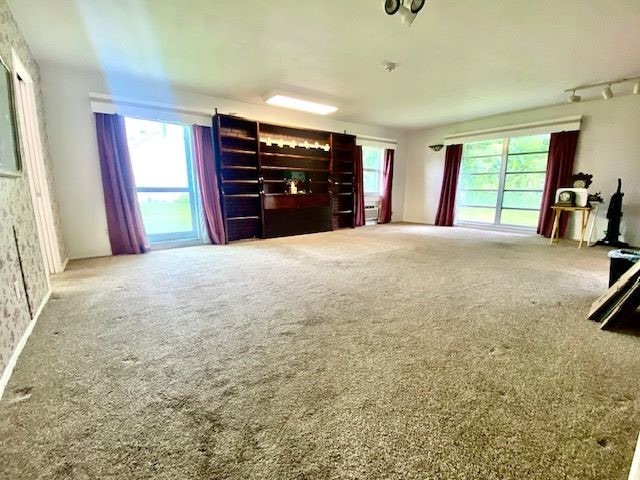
pixel 372 170
pixel 501 181
pixel 163 173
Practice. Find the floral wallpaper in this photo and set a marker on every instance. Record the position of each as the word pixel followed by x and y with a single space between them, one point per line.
pixel 16 215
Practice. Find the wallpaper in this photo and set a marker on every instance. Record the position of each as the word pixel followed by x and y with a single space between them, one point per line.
pixel 16 214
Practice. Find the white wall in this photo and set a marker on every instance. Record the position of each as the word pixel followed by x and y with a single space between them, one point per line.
pixel 71 130
pixel 608 148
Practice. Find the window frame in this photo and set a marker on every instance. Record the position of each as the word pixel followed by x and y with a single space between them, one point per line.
pixel 500 191
pixel 378 171
pixel 158 240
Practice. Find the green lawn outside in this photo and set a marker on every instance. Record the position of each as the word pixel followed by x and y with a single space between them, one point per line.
pixel 165 216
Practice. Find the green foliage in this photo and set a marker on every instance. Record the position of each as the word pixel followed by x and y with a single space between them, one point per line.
pixel 372 158
pixel 524 181
pixel 532 143
pixel 371 182
pixel 481 165
pixel 488 147
pixel 522 200
pixel 519 218
pixel 487 198
pixel 488 181
pixel 477 215
pixel 532 162
pixel 481 169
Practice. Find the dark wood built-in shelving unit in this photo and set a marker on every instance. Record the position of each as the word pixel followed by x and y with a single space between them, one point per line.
pixel 256 160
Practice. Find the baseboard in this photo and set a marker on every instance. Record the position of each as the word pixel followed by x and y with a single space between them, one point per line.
pixel 6 375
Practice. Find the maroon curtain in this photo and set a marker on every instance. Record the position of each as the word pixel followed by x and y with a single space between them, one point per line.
pixel 358 188
pixel 124 220
pixel 562 152
pixel 387 181
pixel 208 182
pixel 446 208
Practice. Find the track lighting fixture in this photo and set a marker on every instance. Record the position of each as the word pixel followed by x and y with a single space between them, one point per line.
pixel 573 98
pixel 607 92
pixel 408 9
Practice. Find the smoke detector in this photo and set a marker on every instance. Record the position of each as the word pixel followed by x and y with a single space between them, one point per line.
pixel 390 66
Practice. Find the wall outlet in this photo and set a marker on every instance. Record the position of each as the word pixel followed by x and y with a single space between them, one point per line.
pixel 18 289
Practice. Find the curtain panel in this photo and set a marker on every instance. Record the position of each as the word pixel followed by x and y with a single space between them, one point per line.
pixel 124 220
pixel 358 188
pixel 204 158
pixel 447 205
pixel 562 152
pixel 387 182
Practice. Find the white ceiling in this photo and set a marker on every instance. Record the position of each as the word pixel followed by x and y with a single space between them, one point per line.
pixel 460 59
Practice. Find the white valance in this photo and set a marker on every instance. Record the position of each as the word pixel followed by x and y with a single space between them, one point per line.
pixel 101 103
pixel 565 124
pixel 379 142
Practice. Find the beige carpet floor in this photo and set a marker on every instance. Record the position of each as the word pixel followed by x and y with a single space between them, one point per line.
pixel 395 352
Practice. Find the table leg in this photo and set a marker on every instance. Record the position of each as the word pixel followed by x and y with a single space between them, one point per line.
pixel 555 227
pixel 593 213
pixel 583 229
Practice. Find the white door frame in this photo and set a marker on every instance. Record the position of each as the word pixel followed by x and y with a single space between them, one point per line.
pixel 33 163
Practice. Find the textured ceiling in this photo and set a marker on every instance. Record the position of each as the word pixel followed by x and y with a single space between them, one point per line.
pixel 460 59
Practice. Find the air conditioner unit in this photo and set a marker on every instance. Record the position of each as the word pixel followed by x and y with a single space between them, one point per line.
pixel 371 214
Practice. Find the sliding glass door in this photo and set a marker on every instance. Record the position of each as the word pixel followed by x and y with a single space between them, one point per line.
pixel 163 171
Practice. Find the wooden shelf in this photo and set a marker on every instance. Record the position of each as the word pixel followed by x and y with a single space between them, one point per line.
pixel 238 167
pixel 237 137
pixel 295 155
pixel 279 201
pixel 294 168
pixel 238 151
pixel 251 217
pixel 254 206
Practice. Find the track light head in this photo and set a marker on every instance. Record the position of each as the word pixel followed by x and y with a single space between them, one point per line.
pixel 607 93
pixel 417 5
pixel 391 6
pixel 407 9
pixel 573 98
pixel 636 88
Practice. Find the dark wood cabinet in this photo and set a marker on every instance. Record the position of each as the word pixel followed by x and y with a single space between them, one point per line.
pixel 257 163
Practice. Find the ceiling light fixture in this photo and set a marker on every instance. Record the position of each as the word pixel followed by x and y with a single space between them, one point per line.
pixel 298 103
pixel 607 92
pixel 573 98
pixel 408 9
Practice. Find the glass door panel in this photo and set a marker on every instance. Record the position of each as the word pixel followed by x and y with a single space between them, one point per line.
pixel 162 167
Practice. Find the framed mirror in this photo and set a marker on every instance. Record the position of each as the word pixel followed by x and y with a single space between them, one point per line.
pixel 10 164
